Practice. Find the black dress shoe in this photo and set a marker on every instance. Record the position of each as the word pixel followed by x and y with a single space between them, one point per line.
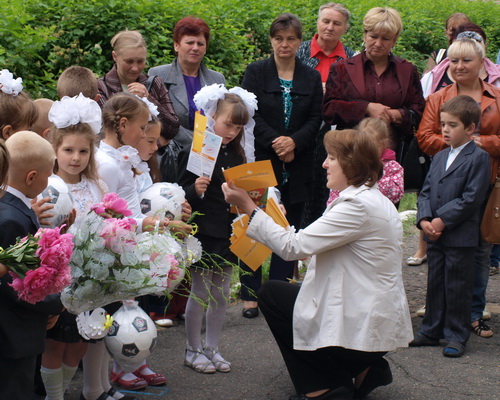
pixel 422 340
pixel 379 374
pixel 103 396
pixel 250 312
pixel 112 391
pixel 342 392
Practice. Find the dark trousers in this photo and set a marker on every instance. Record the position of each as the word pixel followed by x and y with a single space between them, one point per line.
pixel 325 368
pixel 449 292
pixel 17 376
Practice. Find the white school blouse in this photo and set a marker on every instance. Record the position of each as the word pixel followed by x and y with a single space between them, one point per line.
pixel 353 294
pixel 115 169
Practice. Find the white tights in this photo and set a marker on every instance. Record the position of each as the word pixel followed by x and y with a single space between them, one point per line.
pixel 208 287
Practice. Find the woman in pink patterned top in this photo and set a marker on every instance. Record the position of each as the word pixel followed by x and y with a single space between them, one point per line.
pixel 391 185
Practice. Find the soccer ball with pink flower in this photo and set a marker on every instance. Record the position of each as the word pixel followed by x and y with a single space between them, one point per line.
pixel 131 337
pixel 61 198
pixel 163 200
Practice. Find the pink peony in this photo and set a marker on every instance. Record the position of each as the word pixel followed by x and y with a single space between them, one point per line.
pixel 36 284
pixel 112 206
pixel 173 274
pixel 174 262
pixel 62 280
pixel 46 237
pixel 119 234
pixel 17 283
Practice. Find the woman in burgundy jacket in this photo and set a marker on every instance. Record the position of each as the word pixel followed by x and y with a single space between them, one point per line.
pixel 376 83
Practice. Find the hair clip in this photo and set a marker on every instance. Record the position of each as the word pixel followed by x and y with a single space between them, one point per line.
pixel 471 35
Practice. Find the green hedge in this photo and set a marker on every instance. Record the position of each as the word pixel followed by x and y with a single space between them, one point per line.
pixel 38 40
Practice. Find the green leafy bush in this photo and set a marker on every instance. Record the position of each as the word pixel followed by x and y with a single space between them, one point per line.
pixel 38 40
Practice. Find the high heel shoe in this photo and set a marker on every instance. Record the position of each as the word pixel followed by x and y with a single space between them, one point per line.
pixel 250 312
pixel 379 374
pixel 342 392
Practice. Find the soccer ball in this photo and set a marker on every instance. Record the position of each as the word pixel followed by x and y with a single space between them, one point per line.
pixel 163 199
pixel 131 337
pixel 60 197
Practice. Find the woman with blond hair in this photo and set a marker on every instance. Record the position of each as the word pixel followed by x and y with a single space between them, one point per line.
pixel 129 56
pixel 376 83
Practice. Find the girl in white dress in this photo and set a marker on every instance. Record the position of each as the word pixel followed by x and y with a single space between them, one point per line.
pixel 77 122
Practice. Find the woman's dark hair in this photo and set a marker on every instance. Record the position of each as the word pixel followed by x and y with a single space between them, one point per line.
pixel 470 27
pixel 357 154
pixel 191 26
pixel 284 22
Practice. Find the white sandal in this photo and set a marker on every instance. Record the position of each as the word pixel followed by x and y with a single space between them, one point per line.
pixel 217 360
pixel 199 361
pixel 414 261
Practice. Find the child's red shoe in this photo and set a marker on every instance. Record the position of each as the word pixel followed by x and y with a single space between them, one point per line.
pixel 154 379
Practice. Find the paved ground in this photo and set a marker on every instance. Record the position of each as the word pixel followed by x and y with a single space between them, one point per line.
pixel 259 373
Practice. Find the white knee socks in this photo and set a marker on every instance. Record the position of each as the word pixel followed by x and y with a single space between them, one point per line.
pixel 53 381
pixel 68 374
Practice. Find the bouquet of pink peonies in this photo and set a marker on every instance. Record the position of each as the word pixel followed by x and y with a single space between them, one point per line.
pixel 39 264
pixel 112 262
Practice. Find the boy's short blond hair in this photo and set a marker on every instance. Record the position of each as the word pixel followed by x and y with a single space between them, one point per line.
pixel 28 151
pixel 75 80
pixel 42 123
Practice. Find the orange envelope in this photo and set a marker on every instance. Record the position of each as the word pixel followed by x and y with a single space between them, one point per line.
pixel 251 176
pixel 251 252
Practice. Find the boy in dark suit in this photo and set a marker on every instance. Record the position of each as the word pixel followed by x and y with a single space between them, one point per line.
pixel 22 325
pixel 449 214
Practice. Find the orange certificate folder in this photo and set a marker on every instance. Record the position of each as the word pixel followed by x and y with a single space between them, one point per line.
pixel 273 210
pixel 251 176
pixel 251 252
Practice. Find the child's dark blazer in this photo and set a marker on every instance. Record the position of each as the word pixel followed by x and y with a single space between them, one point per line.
pixel 22 325
pixel 455 195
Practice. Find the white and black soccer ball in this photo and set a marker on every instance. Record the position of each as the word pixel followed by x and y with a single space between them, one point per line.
pixel 163 199
pixel 131 338
pixel 60 197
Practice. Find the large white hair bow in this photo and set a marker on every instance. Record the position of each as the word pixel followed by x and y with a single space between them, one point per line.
pixel 206 99
pixel 8 84
pixel 153 108
pixel 72 110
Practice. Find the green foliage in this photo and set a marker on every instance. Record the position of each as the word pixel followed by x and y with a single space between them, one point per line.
pixel 38 40
pixel 408 202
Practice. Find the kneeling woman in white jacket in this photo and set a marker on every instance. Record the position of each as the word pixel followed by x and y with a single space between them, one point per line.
pixel 351 309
